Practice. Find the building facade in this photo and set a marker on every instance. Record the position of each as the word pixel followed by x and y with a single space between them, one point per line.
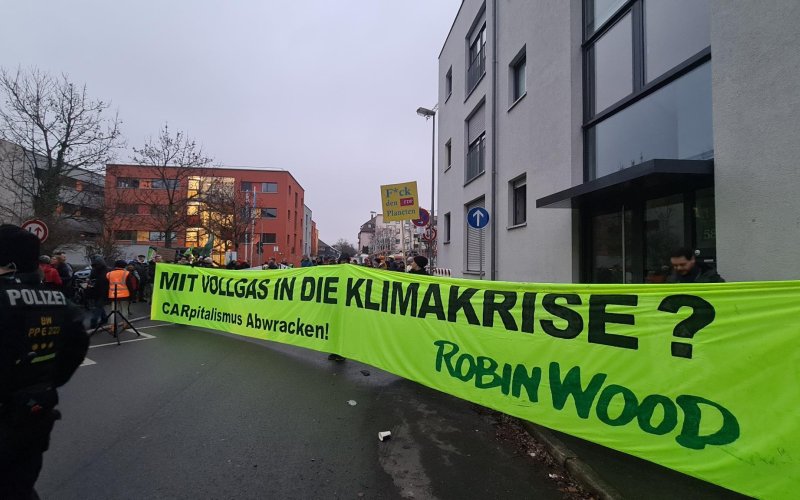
pixel 600 135
pixel 257 213
pixel 77 219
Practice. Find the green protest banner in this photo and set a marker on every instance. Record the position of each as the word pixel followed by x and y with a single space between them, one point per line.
pixel 704 379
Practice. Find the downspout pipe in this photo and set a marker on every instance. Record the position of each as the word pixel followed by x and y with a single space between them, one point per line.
pixel 493 239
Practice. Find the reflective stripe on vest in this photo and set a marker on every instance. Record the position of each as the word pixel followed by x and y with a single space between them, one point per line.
pixel 118 279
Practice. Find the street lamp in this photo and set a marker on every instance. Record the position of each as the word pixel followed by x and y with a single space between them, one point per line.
pixel 429 113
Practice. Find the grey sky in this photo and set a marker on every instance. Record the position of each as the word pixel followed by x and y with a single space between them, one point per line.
pixel 326 89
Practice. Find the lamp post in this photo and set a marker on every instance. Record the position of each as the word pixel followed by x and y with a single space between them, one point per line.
pixel 430 113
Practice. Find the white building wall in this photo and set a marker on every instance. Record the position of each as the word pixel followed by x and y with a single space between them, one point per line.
pixel 539 136
pixel 756 105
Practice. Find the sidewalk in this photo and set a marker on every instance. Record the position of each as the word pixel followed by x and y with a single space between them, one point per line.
pixel 614 475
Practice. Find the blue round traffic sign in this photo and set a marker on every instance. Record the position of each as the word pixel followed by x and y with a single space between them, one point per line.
pixel 424 218
pixel 478 217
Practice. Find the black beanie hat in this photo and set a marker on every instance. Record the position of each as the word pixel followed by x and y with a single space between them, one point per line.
pixel 20 247
pixel 421 260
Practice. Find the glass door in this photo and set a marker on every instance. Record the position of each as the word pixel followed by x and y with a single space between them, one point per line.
pixel 612 253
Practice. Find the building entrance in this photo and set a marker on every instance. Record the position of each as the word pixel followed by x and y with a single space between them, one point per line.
pixel 631 242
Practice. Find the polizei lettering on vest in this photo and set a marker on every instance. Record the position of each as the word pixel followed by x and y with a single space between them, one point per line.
pixel 36 297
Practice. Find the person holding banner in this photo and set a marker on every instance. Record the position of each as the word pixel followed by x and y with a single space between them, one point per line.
pixel 141 266
pixel 686 269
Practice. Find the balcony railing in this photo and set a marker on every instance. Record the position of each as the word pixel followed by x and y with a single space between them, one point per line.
pixel 476 71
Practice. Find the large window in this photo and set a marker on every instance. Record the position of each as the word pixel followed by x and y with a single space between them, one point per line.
pixel 612 61
pixel 476 140
pixel 125 235
pixel 269 187
pixel 518 201
pixel 648 83
pixel 673 122
pixel 600 11
pixel 247 186
pixel 269 213
pixel 518 66
pixel 269 238
pixel 476 155
pixel 674 31
pixel 477 58
pixel 160 235
pixel 127 183
pixel 164 183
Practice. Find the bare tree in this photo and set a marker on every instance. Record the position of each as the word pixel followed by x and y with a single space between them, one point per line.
pixel 345 247
pixel 228 212
pixel 55 134
pixel 174 160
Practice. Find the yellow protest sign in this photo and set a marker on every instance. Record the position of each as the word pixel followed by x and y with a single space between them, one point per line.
pixel 400 201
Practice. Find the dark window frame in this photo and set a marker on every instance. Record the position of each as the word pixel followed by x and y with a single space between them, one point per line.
pixel 519 63
pixel 127 183
pixel 448 84
pixel 265 187
pixel 641 88
pixel 269 241
pixel 515 185
pixel 476 57
pixel 269 215
pixel 446 228
pixel 476 147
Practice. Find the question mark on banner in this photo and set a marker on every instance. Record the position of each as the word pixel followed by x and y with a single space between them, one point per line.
pixel 703 314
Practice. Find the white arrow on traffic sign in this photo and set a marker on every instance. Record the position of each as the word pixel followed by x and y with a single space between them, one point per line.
pixel 478 217
pixel 37 227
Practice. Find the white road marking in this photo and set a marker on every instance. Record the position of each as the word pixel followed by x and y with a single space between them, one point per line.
pixel 144 336
pixel 87 362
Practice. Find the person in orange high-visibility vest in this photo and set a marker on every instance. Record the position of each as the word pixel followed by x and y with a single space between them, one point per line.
pixel 118 288
pixel 121 284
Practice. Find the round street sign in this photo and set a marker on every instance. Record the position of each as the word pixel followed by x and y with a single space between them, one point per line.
pixel 424 218
pixel 429 234
pixel 477 217
pixel 37 227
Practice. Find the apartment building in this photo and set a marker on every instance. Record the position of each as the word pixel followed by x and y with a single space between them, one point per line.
pixel 80 197
pixel 257 213
pixel 602 134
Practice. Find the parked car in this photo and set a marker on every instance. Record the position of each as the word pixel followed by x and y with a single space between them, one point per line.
pixel 83 274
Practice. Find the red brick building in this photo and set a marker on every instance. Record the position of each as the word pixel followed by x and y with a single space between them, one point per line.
pixel 257 213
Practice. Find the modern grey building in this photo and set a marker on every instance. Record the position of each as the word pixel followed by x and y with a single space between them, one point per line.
pixel 601 134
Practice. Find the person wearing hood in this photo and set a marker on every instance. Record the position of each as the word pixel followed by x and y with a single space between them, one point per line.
pixel 418 265
pixel 97 292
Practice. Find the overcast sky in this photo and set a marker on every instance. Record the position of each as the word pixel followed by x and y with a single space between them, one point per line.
pixel 326 89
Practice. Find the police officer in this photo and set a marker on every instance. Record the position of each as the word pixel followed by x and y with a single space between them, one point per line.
pixel 42 343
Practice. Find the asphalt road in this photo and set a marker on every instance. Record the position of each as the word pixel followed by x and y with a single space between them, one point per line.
pixel 192 413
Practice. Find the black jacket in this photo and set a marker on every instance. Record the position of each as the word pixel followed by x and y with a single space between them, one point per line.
pixel 42 343
pixel 700 273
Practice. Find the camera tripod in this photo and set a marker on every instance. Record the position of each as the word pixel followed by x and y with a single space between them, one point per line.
pixel 113 316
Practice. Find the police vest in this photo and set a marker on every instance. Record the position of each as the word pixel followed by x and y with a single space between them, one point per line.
pixel 31 339
pixel 117 280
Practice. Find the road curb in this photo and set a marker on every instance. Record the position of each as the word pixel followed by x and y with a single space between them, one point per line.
pixel 579 469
